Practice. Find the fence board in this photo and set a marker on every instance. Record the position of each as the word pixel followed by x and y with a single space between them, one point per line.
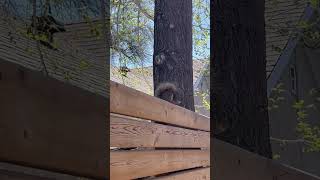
pixel 231 162
pixel 127 101
pixel 14 172
pixel 136 164
pixel 48 124
pixel 131 132
pixel 194 174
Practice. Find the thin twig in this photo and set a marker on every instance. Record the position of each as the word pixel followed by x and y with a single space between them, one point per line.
pixel 34 19
pixel 289 140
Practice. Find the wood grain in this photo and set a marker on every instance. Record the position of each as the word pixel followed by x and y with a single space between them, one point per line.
pixel 194 174
pixel 47 124
pixel 130 102
pixel 131 132
pixel 136 164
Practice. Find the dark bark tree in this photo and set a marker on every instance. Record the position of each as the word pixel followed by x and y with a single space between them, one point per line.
pixel 172 59
pixel 239 85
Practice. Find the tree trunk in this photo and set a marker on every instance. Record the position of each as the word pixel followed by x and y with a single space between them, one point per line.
pixel 239 84
pixel 172 59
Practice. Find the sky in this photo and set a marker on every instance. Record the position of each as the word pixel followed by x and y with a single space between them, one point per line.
pixel 149 51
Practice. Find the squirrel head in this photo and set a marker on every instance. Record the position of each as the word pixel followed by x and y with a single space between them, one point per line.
pixel 169 92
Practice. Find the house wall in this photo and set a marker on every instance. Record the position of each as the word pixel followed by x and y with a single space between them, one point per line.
pixel 203 87
pixel 283 120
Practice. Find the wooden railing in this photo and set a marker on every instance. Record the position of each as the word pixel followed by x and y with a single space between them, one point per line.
pixel 48 124
pixel 163 138
pixel 231 162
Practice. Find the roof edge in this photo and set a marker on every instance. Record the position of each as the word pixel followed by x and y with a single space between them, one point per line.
pixel 284 58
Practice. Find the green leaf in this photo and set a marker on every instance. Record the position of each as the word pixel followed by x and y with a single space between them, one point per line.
pixel 276 156
pixel 314 3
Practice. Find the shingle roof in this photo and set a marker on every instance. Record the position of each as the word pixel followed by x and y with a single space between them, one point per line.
pixel 81 36
pixel 280 16
pixel 67 63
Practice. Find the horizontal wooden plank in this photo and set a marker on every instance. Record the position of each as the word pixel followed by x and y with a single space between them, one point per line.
pixel 194 174
pixel 127 101
pixel 47 124
pixel 132 132
pixel 10 171
pixel 231 162
pixel 136 164
pixel 7 175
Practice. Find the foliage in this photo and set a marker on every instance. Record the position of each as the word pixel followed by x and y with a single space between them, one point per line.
pixel 132 31
pixel 308 134
pixel 205 99
pixel 277 97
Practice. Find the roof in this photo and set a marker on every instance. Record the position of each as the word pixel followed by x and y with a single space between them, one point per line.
pixel 81 35
pixel 68 64
pixel 280 16
pixel 291 12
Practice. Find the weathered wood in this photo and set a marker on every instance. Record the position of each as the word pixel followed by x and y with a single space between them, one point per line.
pixel 137 164
pixel 130 102
pixel 132 132
pixel 51 125
pixel 194 174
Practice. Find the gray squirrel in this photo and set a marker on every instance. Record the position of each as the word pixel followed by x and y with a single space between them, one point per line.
pixel 169 92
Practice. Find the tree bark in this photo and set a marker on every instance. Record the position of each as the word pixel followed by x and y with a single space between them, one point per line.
pixel 172 59
pixel 239 84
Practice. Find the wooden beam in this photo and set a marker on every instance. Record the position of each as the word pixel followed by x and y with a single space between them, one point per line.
pixel 137 164
pixel 126 131
pixel 194 174
pixel 48 124
pixel 130 102
pixel 231 162
pixel 15 172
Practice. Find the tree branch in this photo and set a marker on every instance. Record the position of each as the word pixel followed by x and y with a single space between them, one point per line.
pixel 144 11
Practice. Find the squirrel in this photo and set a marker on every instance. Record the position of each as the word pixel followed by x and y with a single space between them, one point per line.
pixel 169 92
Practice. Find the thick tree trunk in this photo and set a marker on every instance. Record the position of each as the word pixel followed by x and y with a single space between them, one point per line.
pixel 239 85
pixel 172 60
